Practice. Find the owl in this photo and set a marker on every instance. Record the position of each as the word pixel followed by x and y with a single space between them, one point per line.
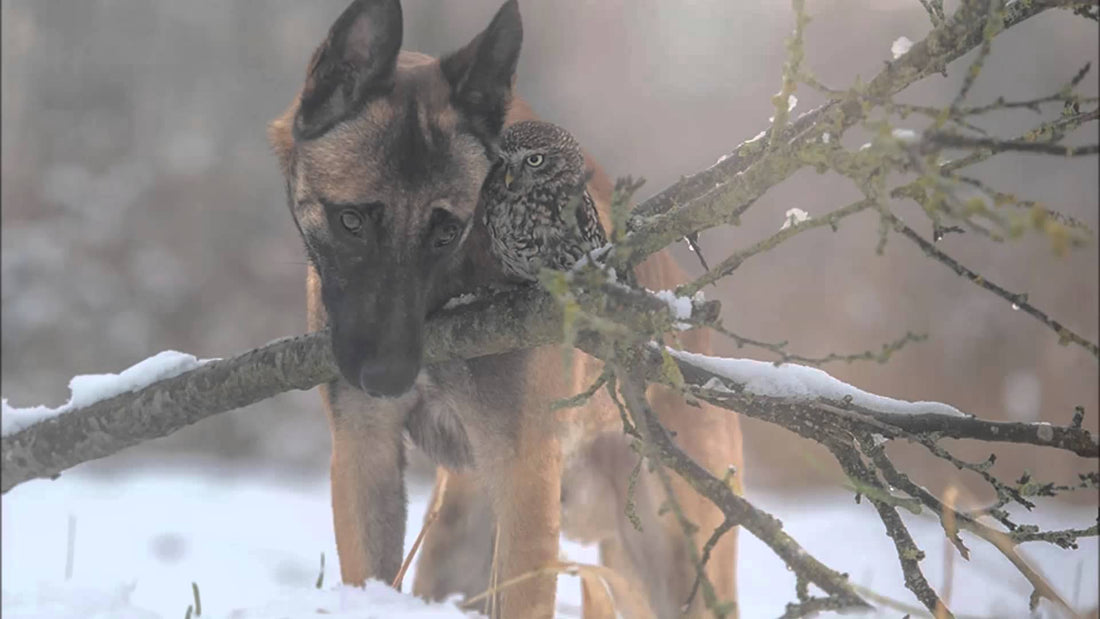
pixel 535 207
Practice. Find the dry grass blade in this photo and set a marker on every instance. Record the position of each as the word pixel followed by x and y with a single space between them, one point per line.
pixel 494 573
pixel 628 600
pixel 951 531
pixel 433 514
pixel 1042 588
pixel 596 600
pixel 911 610
pixel 950 524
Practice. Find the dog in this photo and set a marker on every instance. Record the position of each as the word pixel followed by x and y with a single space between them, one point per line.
pixel 383 152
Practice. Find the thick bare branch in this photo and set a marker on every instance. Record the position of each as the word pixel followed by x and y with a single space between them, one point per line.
pixel 525 318
pixel 528 317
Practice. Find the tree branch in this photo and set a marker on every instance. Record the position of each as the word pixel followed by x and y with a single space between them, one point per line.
pixel 909 555
pixel 723 192
pixel 526 318
pixel 954 140
pixel 1019 301
pixel 761 524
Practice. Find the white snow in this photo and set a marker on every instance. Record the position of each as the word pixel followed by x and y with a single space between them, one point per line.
pixel 825 137
pixel 679 306
pixel 88 389
pixel 792 101
pixel 460 300
pixel 793 217
pixel 595 257
pixel 253 545
pixel 15 419
pixel 375 600
pixel 803 383
pixel 716 386
pixel 905 135
pixel 900 47
pixel 65 601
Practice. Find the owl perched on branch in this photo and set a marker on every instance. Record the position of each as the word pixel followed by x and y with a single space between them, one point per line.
pixel 536 209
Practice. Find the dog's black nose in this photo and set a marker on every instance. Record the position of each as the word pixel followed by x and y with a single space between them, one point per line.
pixel 387 378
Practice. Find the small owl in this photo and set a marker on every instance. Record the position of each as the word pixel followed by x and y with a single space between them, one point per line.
pixel 535 206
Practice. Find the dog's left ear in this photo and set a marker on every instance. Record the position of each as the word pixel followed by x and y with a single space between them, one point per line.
pixel 481 73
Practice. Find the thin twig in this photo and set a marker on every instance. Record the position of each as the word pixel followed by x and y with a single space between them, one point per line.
pixel 954 140
pixel 708 547
pixel 1001 541
pixel 779 348
pixel 1019 301
pixel 909 555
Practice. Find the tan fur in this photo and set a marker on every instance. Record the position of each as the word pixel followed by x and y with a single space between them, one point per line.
pixel 523 470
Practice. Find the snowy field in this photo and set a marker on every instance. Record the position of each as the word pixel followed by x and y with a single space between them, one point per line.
pixel 253 545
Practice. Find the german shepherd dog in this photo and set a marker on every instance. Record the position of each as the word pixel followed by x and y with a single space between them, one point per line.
pixel 384 153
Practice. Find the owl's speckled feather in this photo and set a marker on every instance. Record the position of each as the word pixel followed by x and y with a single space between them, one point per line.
pixel 536 209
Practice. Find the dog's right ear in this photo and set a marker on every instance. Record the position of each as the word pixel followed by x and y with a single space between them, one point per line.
pixel 355 63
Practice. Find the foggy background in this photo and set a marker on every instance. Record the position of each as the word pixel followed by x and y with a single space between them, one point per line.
pixel 143 210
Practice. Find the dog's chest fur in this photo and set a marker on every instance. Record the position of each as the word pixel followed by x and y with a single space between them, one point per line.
pixel 466 408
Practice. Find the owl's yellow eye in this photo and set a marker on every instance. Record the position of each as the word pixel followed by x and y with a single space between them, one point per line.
pixel 535 160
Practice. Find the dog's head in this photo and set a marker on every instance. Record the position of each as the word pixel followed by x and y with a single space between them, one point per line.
pixel 384 153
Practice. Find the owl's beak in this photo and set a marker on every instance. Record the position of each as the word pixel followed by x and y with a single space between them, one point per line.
pixel 508 178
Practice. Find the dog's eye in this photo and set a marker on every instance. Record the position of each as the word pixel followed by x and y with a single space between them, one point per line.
pixel 351 220
pixel 535 160
pixel 447 234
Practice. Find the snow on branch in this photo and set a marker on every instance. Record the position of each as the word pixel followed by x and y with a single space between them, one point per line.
pixel 91 388
pixel 789 392
pixel 54 442
pixel 801 383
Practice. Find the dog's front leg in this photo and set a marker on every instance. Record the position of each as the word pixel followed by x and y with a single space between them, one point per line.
pixel 526 495
pixel 368 487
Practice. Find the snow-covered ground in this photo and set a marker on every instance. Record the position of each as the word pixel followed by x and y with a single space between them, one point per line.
pixel 253 545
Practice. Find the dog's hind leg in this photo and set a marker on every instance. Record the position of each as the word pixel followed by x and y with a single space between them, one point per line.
pixel 457 552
